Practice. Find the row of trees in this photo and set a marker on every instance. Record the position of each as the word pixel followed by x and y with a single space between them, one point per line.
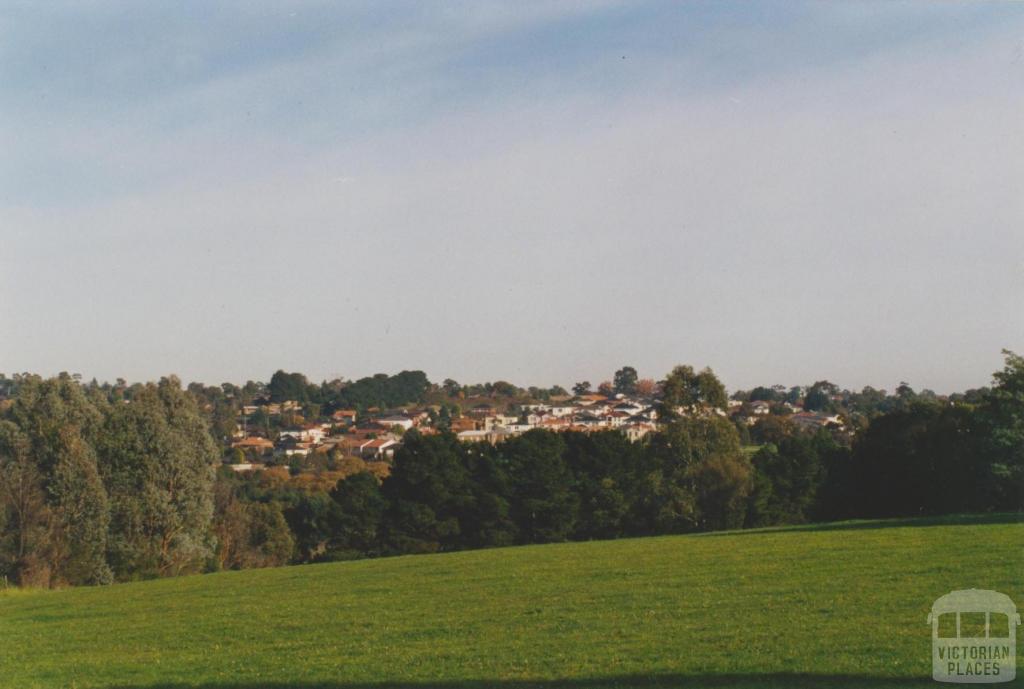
pixel 825 396
pixel 922 457
pixel 379 390
pixel 626 381
pixel 92 491
pixel 97 485
pixel 535 488
pixel 926 458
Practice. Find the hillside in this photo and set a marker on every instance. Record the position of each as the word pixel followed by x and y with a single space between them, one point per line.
pixel 828 606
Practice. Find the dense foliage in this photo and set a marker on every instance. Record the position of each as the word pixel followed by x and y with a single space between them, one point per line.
pixel 382 390
pixel 92 490
pixel 117 482
pixel 920 458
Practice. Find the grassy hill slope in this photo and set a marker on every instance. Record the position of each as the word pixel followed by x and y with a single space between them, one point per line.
pixel 839 605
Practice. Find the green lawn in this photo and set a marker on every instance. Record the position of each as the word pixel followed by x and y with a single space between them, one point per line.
pixel 837 605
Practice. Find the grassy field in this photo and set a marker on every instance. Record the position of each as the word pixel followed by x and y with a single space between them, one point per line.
pixel 831 606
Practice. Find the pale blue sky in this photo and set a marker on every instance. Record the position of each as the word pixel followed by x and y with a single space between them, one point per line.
pixel 537 192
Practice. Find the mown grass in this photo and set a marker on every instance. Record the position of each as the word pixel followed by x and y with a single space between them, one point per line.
pixel 833 606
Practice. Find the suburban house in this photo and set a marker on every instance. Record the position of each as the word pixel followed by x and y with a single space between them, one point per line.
pixel 378 448
pixel 254 443
pixel 760 407
pixel 311 433
pixel 493 437
pixel 344 416
pixel 638 429
pixel 290 446
pixel 463 423
pixel 811 420
pixel 391 421
pixel 483 410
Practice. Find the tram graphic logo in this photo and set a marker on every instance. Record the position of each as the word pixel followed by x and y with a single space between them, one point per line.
pixel 974 637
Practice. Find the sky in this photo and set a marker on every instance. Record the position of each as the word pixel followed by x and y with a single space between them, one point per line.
pixel 535 192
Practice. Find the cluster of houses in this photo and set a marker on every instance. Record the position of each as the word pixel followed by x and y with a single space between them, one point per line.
pixel 376 435
pixel 376 439
pixel 484 423
pixel 751 412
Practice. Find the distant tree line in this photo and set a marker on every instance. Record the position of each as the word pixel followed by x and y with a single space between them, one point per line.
pixel 380 390
pixel 112 483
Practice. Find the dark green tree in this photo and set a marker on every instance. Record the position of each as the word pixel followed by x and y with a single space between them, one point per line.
pixel 686 389
pixel 1001 436
pixel 602 465
pixel 819 396
pixel 427 491
pixel 625 380
pixel 763 393
pixel 288 386
pixel 676 493
pixel 581 388
pixel 920 460
pixel 792 471
pixel 722 483
pixel 357 519
pixel 487 520
pixel 311 518
pixel 544 505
